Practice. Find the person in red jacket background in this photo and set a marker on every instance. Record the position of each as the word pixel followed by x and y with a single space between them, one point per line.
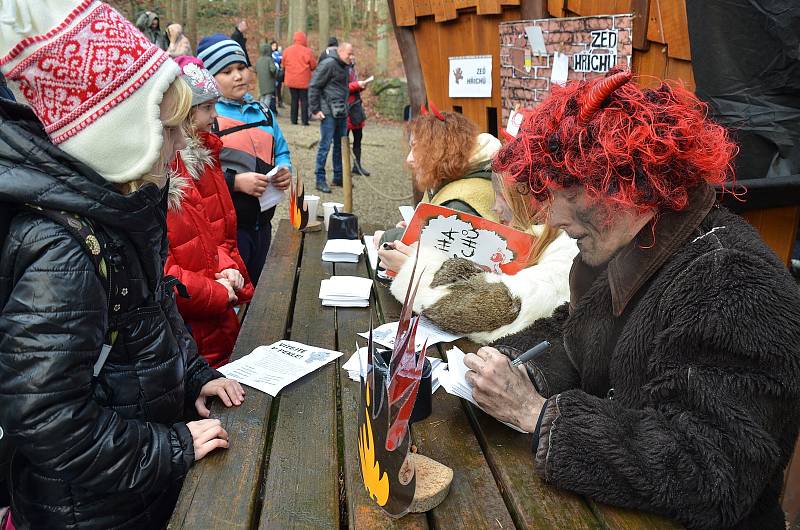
pixel 201 227
pixel 298 63
pixel 356 117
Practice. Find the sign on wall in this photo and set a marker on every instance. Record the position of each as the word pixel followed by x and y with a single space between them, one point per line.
pixel 537 54
pixel 471 76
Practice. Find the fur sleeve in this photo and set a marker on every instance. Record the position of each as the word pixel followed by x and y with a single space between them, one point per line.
pixel 458 297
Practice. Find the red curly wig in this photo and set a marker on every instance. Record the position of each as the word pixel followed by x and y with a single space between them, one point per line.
pixel 634 147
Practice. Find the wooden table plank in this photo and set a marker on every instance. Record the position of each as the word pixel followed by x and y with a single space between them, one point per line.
pixel 221 491
pixel 363 512
pixel 446 436
pixel 302 476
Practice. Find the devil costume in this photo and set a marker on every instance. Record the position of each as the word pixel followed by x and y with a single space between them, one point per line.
pixel 674 376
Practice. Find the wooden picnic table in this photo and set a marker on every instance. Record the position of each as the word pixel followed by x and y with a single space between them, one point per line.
pixel 293 462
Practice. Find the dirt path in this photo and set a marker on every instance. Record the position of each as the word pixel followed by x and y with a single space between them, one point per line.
pixel 383 154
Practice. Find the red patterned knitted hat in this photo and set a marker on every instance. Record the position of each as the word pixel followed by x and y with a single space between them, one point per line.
pixel 92 78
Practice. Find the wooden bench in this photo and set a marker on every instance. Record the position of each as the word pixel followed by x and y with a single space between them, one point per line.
pixel 292 461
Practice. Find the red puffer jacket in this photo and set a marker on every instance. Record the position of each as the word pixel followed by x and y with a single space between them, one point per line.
pixel 201 245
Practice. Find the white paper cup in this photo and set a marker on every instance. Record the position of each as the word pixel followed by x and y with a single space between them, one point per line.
pixel 312 201
pixel 327 210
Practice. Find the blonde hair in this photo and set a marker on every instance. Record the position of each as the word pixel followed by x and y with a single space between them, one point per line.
pixel 175 106
pixel 523 217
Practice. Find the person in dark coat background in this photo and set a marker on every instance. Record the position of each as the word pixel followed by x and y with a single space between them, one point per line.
pixel 240 39
pixel 327 98
pixel 96 398
pixel 673 380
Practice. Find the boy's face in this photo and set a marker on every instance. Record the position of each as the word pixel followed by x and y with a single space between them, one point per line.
pixel 232 81
pixel 203 115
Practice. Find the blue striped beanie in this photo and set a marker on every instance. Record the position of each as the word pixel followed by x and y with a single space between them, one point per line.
pixel 219 51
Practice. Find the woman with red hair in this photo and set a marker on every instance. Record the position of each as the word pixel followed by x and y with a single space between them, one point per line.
pixel 673 378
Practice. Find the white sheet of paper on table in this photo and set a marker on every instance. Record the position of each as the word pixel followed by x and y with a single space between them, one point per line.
pixel 345 291
pixel 386 334
pixel 271 195
pixel 454 380
pixel 271 368
pixel 372 251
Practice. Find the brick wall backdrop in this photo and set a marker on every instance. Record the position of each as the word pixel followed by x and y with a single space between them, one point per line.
pixel 564 35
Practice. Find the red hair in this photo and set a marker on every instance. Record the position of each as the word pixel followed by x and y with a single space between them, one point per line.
pixel 643 148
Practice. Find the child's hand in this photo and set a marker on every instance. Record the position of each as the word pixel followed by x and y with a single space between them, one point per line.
pixel 281 179
pixel 251 183
pixel 233 276
pixel 232 298
pixel 229 391
pixel 207 435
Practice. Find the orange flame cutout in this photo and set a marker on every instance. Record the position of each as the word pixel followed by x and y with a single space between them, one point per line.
pixel 375 482
pixel 298 211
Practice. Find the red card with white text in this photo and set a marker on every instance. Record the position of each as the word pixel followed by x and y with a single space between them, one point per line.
pixel 492 246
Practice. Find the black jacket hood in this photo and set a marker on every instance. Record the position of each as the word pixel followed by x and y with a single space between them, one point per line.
pixel 34 171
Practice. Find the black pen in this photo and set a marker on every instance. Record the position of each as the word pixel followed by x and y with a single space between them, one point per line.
pixel 531 354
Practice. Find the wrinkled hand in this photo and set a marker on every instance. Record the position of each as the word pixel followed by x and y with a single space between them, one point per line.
pixel 207 435
pixel 281 179
pixel 232 298
pixel 501 390
pixel 234 278
pixel 319 115
pixel 229 391
pixel 251 183
pixel 393 259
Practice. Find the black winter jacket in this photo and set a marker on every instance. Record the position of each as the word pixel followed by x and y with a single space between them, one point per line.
pixel 104 453
pixel 686 404
pixel 329 88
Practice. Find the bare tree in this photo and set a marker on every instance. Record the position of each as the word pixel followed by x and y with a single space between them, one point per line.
pixel 324 22
pixel 191 21
pixel 278 20
pixel 382 49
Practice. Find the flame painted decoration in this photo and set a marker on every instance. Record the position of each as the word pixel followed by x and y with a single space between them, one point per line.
pixel 388 394
pixel 298 211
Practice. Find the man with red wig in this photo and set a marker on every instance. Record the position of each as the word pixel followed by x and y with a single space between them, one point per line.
pixel 673 378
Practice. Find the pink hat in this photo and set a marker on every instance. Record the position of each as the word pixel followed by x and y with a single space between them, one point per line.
pixel 193 71
pixel 92 78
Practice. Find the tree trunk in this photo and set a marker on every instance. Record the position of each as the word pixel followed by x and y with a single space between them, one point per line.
pixel 191 23
pixel 382 49
pixel 301 15
pixel 277 36
pixel 260 15
pixel 290 28
pixel 416 82
pixel 324 22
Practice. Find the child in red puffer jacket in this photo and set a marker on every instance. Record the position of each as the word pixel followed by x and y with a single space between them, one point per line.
pixel 201 227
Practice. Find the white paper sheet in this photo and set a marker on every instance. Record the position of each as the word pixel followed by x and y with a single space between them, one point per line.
pixel 407 212
pixel 385 334
pixel 271 195
pixel 536 40
pixel 560 69
pixel 271 368
pixel 514 122
pixel 345 291
pixel 454 380
pixel 372 251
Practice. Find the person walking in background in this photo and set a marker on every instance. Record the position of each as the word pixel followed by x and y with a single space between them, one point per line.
pixel 330 50
pixel 328 92
pixel 277 58
pixel 238 37
pixel 253 145
pixel 149 24
pixel 298 64
pixel 178 42
pixel 356 117
pixel 266 71
pixel 201 255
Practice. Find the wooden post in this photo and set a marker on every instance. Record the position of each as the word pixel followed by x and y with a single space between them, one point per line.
pixel 416 82
pixel 533 9
pixel 347 177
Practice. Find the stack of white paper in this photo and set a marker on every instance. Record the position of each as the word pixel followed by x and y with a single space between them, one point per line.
pixel 270 368
pixel 345 291
pixel 342 250
pixel 454 379
pixel 426 330
pixel 355 369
